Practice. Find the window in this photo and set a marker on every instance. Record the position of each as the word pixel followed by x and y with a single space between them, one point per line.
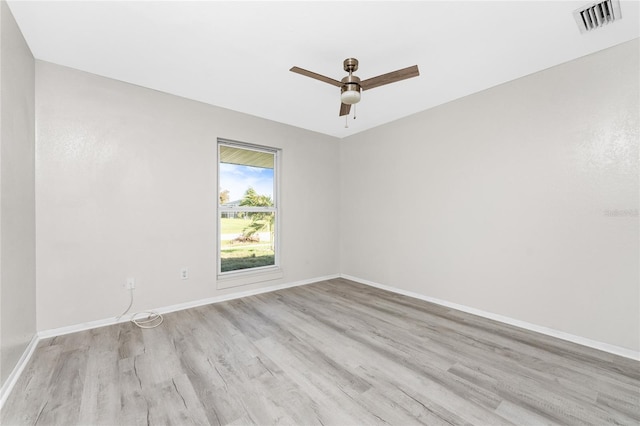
pixel 247 208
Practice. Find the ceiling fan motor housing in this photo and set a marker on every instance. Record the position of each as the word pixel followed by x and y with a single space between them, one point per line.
pixel 350 90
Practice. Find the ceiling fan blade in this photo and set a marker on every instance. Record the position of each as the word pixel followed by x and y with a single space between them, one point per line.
pixel 390 77
pixel 316 76
pixel 344 109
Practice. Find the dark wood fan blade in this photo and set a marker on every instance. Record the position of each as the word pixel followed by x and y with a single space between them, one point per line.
pixel 391 77
pixel 316 76
pixel 344 109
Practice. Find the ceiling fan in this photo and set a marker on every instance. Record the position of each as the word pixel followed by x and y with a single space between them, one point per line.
pixel 351 85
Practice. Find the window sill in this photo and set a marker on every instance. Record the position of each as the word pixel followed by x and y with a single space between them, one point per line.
pixel 237 279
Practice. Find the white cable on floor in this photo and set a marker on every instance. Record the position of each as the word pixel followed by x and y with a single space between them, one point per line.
pixel 153 319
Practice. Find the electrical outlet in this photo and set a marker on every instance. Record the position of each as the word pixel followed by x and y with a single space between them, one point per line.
pixel 184 273
pixel 130 284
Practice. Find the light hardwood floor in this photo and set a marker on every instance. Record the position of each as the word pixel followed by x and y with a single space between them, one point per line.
pixel 331 353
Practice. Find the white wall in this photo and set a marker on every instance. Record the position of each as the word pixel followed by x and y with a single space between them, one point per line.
pixel 126 186
pixel 17 194
pixel 500 201
pixel 520 200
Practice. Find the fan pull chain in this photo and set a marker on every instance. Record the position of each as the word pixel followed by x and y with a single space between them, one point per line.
pixel 354 111
pixel 346 121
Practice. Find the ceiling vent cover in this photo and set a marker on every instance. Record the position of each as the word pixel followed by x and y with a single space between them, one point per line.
pixel 597 15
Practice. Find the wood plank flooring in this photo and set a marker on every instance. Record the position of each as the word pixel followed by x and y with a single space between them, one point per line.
pixel 330 353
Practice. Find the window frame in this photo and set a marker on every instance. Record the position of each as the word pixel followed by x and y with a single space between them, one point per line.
pixel 260 273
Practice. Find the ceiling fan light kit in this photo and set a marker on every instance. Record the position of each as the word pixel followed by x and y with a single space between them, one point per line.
pixel 351 86
pixel 350 97
pixel 350 90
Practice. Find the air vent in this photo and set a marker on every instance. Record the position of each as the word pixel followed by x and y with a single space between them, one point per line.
pixel 597 15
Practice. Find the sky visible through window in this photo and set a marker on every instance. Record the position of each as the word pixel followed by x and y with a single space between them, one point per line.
pixel 237 179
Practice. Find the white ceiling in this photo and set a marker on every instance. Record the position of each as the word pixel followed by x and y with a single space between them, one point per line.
pixel 237 54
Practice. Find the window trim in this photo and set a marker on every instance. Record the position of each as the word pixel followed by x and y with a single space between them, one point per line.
pixel 262 273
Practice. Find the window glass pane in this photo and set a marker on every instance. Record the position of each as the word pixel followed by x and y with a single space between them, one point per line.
pixel 247 240
pixel 246 177
pixel 248 211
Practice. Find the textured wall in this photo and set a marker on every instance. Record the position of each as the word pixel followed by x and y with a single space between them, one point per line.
pixel 17 194
pixel 126 186
pixel 521 200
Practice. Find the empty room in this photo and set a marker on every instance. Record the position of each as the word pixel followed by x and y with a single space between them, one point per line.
pixel 319 213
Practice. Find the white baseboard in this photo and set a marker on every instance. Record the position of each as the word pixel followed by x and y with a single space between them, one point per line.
pixel 606 347
pixel 178 307
pixel 241 294
pixel 8 385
